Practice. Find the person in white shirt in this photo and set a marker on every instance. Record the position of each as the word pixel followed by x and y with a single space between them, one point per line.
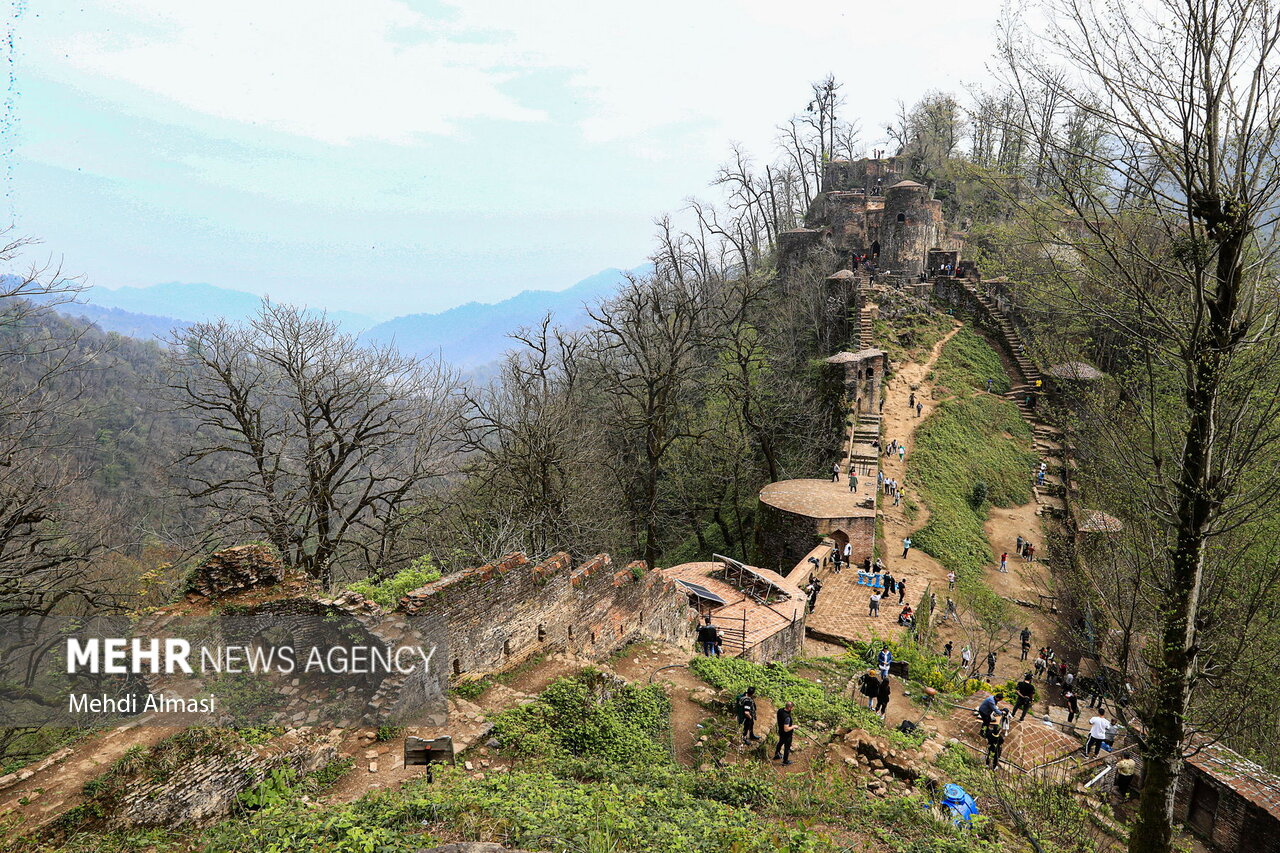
pixel 1097 734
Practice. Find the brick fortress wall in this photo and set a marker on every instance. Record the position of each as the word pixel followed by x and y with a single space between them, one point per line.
pixel 499 615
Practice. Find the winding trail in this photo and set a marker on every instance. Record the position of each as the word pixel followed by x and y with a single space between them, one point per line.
pixel 842 605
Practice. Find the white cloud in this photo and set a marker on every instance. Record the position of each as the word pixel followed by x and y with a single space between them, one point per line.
pixel 347 70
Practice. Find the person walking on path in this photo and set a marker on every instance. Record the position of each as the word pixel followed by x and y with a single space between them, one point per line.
pixel 951 580
pixel 848 553
pixel 813 593
pixel 1040 664
pixel 902 589
pixel 966 657
pixel 882 697
pixel 890 585
pixel 1073 704
pixel 1026 693
pixel 919 408
pixel 906 546
pixel 1097 733
pixel 951 610
pixel 880 484
pixel 746 708
pixel 1026 641
pixel 1028 552
pixel 1004 563
pixel 853 482
pixel 1020 542
pixel 946 649
pixel 902 452
pixel 991 663
pixel 884 660
pixel 786 732
pixel 873 605
pixel 870 687
pixel 911 400
pixel 835 472
pixel 709 637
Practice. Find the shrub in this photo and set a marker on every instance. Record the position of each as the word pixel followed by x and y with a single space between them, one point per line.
pixel 388 592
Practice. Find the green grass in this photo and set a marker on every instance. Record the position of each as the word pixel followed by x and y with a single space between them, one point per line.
pixel 966 363
pixel 974 437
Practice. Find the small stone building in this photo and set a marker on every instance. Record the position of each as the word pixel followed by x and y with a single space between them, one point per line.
pixel 1229 802
pixel 863 376
pixel 760 614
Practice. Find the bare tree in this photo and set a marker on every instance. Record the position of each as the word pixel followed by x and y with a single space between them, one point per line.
pixel 1169 239
pixel 307 438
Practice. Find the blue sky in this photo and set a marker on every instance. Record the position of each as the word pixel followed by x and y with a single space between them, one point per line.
pixel 393 157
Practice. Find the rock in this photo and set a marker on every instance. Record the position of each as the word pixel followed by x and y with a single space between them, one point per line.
pixel 371 753
pixel 493 743
pixel 373 767
pixel 469 766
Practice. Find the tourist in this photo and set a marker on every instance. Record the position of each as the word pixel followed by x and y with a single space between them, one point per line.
pixel 835 472
pixel 988 710
pixel 1026 641
pixel 951 610
pixel 786 731
pixel 906 617
pixel 951 580
pixel 946 649
pixel 990 385
pixel 882 697
pixel 874 603
pixel 897 497
pixel 995 743
pixel 902 451
pixel 1126 770
pixel 1020 543
pixel 835 558
pixel 991 663
pixel 911 400
pixel 1098 727
pixel 966 657
pixel 853 481
pixel 880 484
pixel 1073 704
pixel 709 637
pixel 919 409
pixel 933 601
pixel 869 686
pixel 815 588
pixel 1028 552
pixel 890 585
pixel 902 589
pixel 848 553
pixel 745 705
pixel 906 546
pixel 1068 680
pixel 884 660
pixel 1040 664
pixel 1026 693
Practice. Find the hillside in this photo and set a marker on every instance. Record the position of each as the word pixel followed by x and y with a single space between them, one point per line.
pixel 475 334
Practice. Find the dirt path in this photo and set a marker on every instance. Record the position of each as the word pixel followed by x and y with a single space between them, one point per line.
pixel 56 783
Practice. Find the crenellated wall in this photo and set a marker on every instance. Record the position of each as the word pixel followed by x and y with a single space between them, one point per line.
pixel 501 614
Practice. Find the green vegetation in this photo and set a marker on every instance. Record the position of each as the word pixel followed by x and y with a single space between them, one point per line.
pixel 388 592
pixel 970 439
pixel 909 336
pixel 966 362
pixel 813 703
pixel 589 716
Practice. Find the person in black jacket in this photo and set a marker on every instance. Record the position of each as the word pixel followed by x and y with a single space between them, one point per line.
pixel 882 697
pixel 786 732
pixel 746 710
pixel 995 745
pixel 870 687
pixel 1026 693
pixel 709 638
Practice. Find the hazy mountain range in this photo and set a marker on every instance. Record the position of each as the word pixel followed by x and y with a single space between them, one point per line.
pixel 470 336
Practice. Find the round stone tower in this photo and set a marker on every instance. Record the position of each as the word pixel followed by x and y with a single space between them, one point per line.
pixel 909 227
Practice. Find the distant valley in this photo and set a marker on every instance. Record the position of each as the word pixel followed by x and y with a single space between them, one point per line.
pixel 471 336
